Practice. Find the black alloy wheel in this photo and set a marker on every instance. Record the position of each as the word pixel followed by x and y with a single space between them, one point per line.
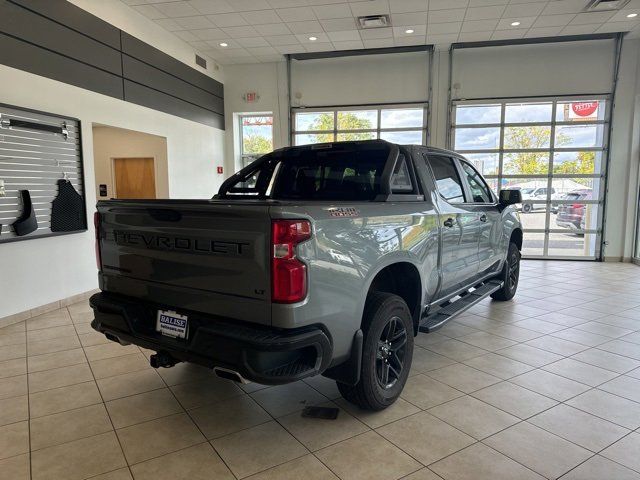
pixel 391 353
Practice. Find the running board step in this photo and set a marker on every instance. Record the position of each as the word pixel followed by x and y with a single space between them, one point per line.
pixel 439 318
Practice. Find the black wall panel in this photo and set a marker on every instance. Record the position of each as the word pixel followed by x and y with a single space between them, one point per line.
pixel 41 31
pixel 149 76
pixel 75 18
pixel 148 54
pixel 25 56
pixel 147 97
pixel 56 39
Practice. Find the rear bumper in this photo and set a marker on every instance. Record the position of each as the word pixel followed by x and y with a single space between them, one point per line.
pixel 261 354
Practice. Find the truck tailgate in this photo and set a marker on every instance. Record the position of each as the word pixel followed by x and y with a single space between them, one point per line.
pixel 205 256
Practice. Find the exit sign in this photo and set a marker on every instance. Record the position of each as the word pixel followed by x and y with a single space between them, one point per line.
pixel 250 97
pixel 220 170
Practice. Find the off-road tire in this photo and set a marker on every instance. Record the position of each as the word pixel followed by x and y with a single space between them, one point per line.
pixel 381 310
pixel 510 275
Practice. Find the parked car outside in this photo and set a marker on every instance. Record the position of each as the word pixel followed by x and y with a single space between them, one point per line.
pixel 572 215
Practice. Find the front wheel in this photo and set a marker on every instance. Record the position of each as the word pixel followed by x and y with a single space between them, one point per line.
pixel 527 208
pixel 510 275
pixel 387 351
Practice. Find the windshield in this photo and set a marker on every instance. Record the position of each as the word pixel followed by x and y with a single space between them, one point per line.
pixel 527 191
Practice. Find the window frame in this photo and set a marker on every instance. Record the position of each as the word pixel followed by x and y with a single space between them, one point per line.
pixel 243 157
pixel 467 187
pixel 425 156
pixel 350 108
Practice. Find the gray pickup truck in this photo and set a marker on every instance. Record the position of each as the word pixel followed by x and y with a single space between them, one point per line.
pixel 323 259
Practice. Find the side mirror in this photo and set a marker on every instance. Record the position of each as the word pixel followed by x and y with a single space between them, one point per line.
pixel 510 197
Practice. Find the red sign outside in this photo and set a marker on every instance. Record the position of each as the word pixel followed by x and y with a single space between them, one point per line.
pixel 584 109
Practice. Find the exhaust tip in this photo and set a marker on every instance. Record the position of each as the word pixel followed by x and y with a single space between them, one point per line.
pixel 113 338
pixel 162 360
pixel 230 375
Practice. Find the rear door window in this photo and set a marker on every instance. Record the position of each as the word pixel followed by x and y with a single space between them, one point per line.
pixel 446 177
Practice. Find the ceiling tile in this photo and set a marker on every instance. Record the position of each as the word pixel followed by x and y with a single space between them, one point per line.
pixel 379 43
pixel 149 11
pixel 177 9
pixel 318 47
pixel 262 50
pixel 621 16
pixel 543 32
pixel 508 34
pixel 338 10
pixel 579 29
pixel 321 38
pixel 192 23
pixel 344 36
pixel 186 35
pixel 444 16
pixel 228 19
pixel 201 44
pixel 260 17
pixel 532 9
pixel 273 29
pixel 376 33
pixel 351 45
pixel 553 20
pixel 475 36
pixel 209 7
pixel 247 5
pixel 231 45
pixel 369 7
pixel 210 34
pixel 400 19
pixel 296 14
pixel 236 52
pixel 338 24
pixel 309 26
pixel 591 18
pixel 525 22
pixel 270 58
pixel 287 3
pixel 296 48
pixel 402 6
pixel 487 3
pixel 168 24
pixel 276 40
pixel 564 6
pixel 253 42
pixel 447 4
pixel 479 25
pixel 408 40
pixel 442 28
pixel 484 13
pixel 240 31
pixel 418 30
pixel 442 39
pixel 613 27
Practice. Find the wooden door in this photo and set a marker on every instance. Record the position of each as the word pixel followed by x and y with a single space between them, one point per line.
pixel 134 177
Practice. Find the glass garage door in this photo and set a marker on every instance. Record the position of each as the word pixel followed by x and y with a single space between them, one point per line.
pixel 403 123
pixel 554 152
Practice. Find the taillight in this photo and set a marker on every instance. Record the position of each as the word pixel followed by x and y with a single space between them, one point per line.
pixel 288 274
pixel 96 224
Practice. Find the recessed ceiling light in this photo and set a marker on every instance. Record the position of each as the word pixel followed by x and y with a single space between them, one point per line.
pixel 409 30
pixel 632 15
pixel 313 39
pixel 515 24
pixel 223 44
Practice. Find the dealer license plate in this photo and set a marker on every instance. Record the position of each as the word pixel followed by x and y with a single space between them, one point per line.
pixel 172 324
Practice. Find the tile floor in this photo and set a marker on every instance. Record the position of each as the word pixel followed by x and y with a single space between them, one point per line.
pixel 547 385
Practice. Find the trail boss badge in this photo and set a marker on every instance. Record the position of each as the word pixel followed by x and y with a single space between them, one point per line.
pixel 344 212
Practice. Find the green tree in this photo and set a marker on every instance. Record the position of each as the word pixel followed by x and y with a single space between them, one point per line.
pixel 526 163
pixel 583 164
pixel 346 121
pixel 254 143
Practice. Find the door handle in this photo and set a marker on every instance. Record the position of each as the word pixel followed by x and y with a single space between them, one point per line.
pixel 483 218
pixel 449 222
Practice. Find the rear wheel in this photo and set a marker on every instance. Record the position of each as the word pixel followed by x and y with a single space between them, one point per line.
pixel 510 275
pixel 387 351
pixel 527 207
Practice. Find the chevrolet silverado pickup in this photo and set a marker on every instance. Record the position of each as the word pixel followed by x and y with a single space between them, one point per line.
pixel 321 259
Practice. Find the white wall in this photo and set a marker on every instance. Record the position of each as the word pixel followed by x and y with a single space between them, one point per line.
pixel 129 20
pixel 546 69
pixel 40 271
